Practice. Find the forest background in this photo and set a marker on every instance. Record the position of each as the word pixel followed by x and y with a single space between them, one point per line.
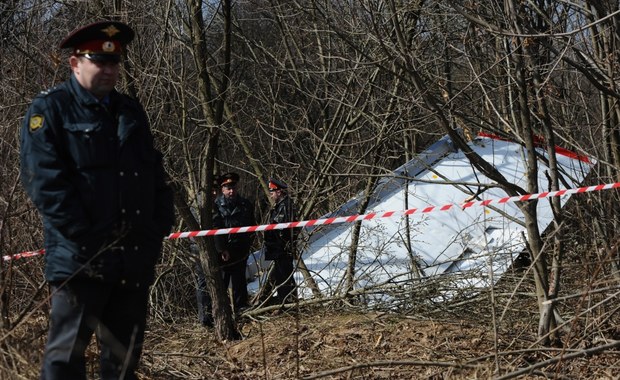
pixel 330 95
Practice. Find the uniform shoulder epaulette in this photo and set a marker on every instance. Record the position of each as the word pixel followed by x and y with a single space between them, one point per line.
pixel 50 91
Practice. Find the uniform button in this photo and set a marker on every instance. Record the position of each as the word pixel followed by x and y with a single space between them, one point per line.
pixel 137 212
pixel 122 248
pixel 83 248
pixel 135 174
pixel 123 211
pixel 123 281
pixel 135 248
pixel 121 173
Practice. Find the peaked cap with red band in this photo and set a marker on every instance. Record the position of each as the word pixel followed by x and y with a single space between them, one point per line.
pixel 229 179
pixel 103 37
pixel 274 184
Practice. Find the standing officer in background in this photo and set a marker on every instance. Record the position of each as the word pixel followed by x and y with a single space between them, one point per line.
pixel 280 244
pixel 232 210
pixel 89 165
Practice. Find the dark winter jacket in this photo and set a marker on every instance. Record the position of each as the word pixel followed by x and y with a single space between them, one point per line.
pixel 93 173
pixel 236 212
pixel 281 242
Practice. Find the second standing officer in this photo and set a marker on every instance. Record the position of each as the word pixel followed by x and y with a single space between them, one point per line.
pixel 280 244
pixel 232 210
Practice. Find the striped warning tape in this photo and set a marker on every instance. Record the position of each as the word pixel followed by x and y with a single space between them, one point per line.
pixel 23 255
pixel 369 216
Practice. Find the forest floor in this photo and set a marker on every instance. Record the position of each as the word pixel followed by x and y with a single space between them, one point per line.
pixel 492 335
pixel 329 343
pixel 324 344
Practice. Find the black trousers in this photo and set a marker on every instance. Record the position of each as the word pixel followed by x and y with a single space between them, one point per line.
pixel 203 299
pixel 281 278
pixel 233 276
pixel 117 316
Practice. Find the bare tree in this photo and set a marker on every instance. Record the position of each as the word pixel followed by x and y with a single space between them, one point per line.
pixel 329 96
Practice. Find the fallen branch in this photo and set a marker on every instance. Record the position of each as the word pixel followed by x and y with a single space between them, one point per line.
pixel 590 351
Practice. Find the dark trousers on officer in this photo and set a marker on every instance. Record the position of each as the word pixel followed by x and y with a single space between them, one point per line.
pixel 117 316
pixel 281 278
pixel 238 284
pixel 233 276
pixel 203 299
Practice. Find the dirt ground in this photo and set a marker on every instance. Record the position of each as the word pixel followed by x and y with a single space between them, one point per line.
pixel 490 336
pixel 323 344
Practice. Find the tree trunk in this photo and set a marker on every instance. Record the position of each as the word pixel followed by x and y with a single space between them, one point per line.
pixel 213 100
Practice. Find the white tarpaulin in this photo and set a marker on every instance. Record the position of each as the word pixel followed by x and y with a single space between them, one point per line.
pixel 477 243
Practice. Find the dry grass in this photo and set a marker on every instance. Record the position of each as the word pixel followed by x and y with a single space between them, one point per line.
pixel 491 335
pixel 312 344
pixel 340 343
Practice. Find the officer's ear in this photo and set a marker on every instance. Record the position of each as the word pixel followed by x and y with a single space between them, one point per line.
pixel 73 62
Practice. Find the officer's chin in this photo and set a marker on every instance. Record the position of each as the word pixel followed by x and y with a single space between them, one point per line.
pixel 102 91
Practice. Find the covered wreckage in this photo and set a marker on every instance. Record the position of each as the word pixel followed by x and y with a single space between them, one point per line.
pixel 469 248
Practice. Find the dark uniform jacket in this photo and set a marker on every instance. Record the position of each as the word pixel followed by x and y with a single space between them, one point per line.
pixel 237 212
pixel 281 242
pixel 93 173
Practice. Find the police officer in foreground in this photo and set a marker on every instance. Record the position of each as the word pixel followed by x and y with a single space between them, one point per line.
pixel 89 165
pixel 232 210
pixel 280 245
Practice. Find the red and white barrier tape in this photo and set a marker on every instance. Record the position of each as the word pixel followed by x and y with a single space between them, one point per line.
pixel 356 218
pixel 23 255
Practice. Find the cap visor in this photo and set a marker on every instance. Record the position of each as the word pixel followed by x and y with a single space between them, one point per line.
pixel 103 58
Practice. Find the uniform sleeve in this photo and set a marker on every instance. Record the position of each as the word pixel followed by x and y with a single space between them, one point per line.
pixel 46 171
pixel 289 235
pixel 164 199
pixel 163 215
